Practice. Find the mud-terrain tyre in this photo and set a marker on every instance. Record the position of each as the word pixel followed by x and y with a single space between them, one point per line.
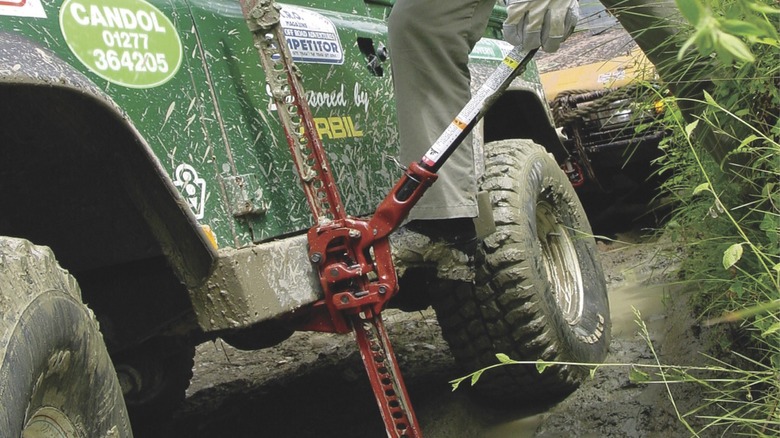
pixel 56 378
pixel 540 291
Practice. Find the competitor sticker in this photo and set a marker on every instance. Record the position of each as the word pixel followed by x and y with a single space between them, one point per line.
pixel 22 8
pixel 127 42
pixel 311 37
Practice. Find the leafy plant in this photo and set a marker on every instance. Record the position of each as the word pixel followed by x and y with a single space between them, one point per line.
pixel 728 214
pixel 723 33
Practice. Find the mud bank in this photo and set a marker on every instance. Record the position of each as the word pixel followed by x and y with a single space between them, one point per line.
pixel 313 385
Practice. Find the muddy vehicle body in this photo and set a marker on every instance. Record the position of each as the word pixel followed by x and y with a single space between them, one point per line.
pixel 144 174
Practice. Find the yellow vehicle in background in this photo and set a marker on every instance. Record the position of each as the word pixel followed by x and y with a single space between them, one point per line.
pixel 623 70
pixel 606 105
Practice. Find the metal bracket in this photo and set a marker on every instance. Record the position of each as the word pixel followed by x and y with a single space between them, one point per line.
pixel 244 195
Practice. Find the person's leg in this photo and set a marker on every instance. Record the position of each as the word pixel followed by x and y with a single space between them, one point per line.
pixel 429 42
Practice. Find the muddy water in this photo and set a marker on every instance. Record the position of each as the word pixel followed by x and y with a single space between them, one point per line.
pixel 647 299
pixel 313 385
pixel 522 428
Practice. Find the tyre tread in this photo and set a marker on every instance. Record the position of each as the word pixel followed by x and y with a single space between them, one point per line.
pixel 509 319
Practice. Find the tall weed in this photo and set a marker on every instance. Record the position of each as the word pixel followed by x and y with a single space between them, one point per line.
pixel 728 207
pixel 728 213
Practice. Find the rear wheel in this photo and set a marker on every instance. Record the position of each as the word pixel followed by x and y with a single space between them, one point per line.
pixel 56 378
pixel 540 291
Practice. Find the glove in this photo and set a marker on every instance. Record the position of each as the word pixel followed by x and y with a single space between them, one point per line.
pixel 540 23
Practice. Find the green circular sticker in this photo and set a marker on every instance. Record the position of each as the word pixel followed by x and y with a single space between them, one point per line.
pixel 127 42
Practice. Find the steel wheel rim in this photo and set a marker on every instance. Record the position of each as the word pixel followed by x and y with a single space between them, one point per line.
pixel 561 264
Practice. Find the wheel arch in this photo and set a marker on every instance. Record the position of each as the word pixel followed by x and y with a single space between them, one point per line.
pixel 77 176
pixel 521 113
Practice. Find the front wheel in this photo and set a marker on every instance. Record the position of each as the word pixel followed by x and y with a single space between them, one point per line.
pixel 540 292
pixel 56 378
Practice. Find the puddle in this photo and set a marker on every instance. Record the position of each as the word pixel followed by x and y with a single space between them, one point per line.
pixel 522 428
pixel 648 300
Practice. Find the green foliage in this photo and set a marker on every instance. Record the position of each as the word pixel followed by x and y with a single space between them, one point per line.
pixel 729 216
pixel 724 30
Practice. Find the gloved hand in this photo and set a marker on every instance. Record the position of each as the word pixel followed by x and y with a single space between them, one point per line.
pixel 540 23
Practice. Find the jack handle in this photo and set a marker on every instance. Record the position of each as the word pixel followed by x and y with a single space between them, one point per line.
pixel 419 176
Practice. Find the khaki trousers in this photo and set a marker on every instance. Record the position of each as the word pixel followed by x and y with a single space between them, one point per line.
pixel 429 42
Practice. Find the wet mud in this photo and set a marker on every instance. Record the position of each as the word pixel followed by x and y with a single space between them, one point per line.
pixel 314 385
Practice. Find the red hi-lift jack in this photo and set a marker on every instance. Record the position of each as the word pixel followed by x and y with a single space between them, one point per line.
pixel 353 255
